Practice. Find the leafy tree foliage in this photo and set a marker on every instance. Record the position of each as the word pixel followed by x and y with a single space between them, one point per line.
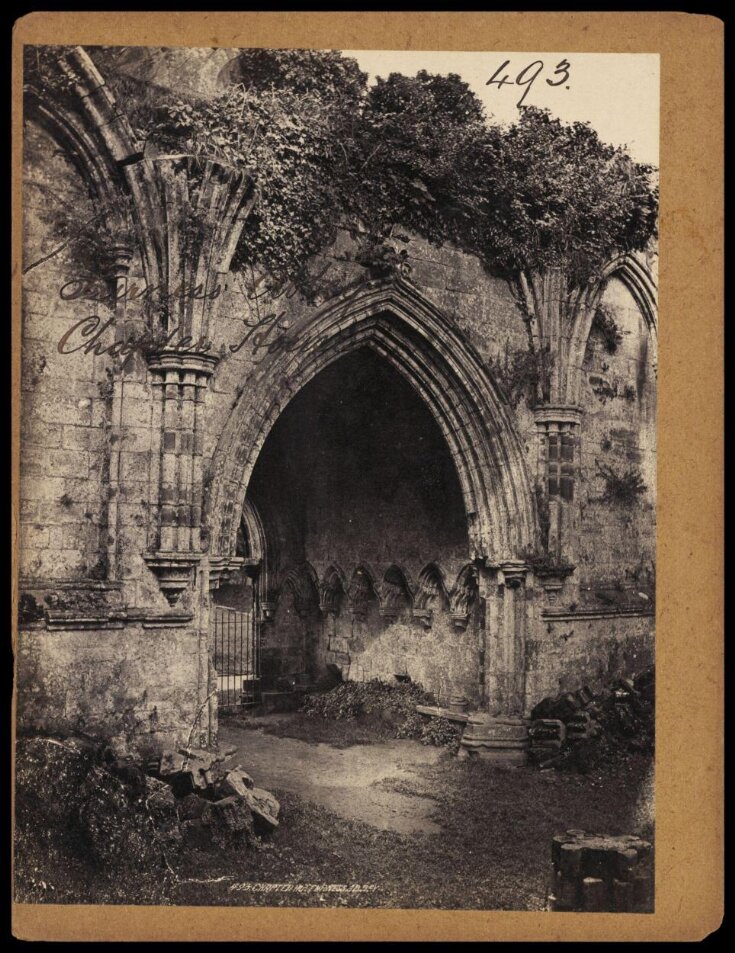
pixel 557 196
pixel 413 158
pixel 324 150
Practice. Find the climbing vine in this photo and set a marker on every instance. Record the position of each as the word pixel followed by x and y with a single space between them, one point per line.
pixel 623 488
pixel 522 374
pixel 324 149
pixel 605 327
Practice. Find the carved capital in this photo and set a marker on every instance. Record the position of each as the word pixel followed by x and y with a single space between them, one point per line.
pixel 200 365
pixel 424 616
pixel 548 415
pixel 512 574
pixel 223 568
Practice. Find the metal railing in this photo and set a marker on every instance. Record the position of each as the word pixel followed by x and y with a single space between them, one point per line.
pixel 236 657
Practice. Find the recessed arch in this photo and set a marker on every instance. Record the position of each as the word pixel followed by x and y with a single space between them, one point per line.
pixel 396 592
pixel 401 326
pixel 464 592
pixel 637 278
pixel 335 576
pixel 254 532
pixel 432 590
pixel 333 589
pixel 304 584
pixel 362 591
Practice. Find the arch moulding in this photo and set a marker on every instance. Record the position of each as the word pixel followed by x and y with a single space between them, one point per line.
pixel 400 325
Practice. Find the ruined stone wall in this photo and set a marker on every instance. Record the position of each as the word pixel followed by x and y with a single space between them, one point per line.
pixel 443 658
pixel 98 636
pixel 98 648
pixel 618 433
pixel 601 620
pixel 64 397
pixel 568 650
pixel 130 684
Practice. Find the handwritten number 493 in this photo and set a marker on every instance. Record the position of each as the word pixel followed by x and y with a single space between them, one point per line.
pixel 528 75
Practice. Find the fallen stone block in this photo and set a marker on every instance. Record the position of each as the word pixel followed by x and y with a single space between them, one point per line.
pixel 547 729
pixel 436 711
pixel 229 821
pixel 206 758
pixel 501 739
pixel 215 774
pixel 237 782
pixel 265 808
pixel 558 707
pixel 581 725
pixel 594 872
pixel 212 757
pixel 184 771
pixel 172 762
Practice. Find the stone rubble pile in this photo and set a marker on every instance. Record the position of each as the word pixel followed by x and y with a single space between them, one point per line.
pixel 220 804
pixel 573 730
pixel 117 810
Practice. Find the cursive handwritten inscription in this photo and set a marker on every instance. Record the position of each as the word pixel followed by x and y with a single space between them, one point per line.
pixel 90 289
pixel 528 76
pixel 266 334
pixel 87 333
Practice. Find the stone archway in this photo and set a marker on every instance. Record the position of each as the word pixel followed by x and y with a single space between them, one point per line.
pixel 401 326
pixel 402 331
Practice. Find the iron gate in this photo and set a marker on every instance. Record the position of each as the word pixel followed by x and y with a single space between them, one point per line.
pixel 236 657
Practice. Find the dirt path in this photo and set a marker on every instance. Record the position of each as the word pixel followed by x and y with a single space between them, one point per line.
pixel 353 782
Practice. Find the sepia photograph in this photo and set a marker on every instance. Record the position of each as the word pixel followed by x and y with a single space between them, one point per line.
pixel 337 500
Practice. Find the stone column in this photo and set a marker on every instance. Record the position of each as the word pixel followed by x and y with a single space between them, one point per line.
pixel 558 455
pixel 503 589
pixel 175 547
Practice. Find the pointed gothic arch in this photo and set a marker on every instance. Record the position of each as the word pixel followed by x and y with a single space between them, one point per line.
pixel 637 278
pixel 400 325
pixel 333 589
pixel 396 592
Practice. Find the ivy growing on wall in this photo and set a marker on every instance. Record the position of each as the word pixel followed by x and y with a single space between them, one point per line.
pixel 520 375
pixel 323 149
pixel 605 327
pixel 624 487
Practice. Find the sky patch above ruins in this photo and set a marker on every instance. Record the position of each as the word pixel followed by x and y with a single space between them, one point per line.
pixel 617 93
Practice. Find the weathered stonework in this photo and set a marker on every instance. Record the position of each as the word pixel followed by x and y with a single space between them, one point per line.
pixel 421 527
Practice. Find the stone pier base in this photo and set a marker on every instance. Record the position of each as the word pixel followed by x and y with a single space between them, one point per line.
pixel 494 738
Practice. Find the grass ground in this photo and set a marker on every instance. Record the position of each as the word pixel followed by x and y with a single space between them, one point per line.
pixel 492 852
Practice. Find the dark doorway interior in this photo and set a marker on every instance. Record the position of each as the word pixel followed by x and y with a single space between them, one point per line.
pixel 355 473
